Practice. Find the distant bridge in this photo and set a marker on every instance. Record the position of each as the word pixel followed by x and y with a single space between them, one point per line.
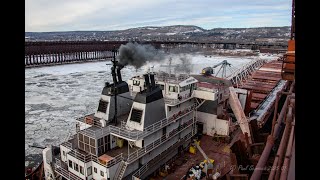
pixel 61 52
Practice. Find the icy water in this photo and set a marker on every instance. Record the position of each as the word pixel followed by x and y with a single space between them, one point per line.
pixel 55 96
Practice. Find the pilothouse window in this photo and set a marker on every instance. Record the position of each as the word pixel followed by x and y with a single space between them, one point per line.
pixel 136 83
pixel 173 89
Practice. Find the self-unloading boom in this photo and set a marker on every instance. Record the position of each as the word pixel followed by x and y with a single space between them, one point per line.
pixel 239 113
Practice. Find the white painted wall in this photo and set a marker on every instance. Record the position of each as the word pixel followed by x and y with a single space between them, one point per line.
pixel 65 150
pixel 205 95
pixel 171 95
pixel 176 109
pixel 99 168
pixel 103 115
pixel 135 88
pixel 213 125
pixel 138 143
pixel 135 125
pixel 80 163
pixel 123 106
pixel 47 158
pixel 84 125
pixel 88 164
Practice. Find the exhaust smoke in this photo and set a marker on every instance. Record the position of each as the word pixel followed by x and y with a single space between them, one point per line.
pixel 137 54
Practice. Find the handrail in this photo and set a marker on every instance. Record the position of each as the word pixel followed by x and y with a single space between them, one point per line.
pixel 64 172
pixel 140 152
pixel 246 70
pixel 137 134
pixel 67 144
pixel 177 101
pixel 146 166
pixel 89 157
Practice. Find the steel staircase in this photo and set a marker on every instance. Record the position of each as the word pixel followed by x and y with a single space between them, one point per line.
pixel 120 171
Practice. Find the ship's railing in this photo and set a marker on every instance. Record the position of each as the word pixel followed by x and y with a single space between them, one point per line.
pixel 82 157
pixel 110 163
pixel 174 102
pixel 67 144
pixel 139 153
pixel 242 73
pixel 89 157
pixel 207 89
pixel 82 118
pixel 160 156
pixel 62 169
pixel 115 160
pixel 136 135
pixel 166 121
pixel 103 131
pixel 172 78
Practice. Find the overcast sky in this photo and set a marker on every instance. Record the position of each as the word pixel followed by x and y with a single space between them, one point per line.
pixel 101 15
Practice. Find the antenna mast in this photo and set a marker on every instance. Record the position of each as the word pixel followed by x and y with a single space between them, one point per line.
pixel 115 90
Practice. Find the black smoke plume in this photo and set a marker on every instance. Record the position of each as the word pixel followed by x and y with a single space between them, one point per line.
pixel 137 54
pixel 184 65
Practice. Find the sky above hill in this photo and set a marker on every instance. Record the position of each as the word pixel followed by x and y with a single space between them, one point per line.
pixel 103 15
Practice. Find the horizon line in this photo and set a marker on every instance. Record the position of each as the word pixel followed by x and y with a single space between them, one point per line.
pixel 157 27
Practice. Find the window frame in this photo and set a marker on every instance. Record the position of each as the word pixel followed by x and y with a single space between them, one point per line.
pixel 71 164
pixel 172 88
pixel 89 171
pixel 76 167
pixel 81 170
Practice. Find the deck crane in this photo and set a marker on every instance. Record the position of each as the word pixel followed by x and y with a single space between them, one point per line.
pixel 210 70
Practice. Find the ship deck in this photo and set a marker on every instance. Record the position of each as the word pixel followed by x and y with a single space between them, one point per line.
pixel 262 82
pixel 123 150
pixel 218 151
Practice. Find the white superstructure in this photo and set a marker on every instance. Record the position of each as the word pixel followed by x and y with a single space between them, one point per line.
pixel 156 116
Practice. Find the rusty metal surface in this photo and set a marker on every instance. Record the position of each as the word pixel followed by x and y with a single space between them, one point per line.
pixel 271 138
pixel 263 159
pixel 217 151
pixel 262 81
pixel 288 66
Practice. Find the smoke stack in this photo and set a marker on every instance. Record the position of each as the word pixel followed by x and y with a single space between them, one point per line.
pixel 146 78
pixel 113 72
pixel 153 84
pixel 119 74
